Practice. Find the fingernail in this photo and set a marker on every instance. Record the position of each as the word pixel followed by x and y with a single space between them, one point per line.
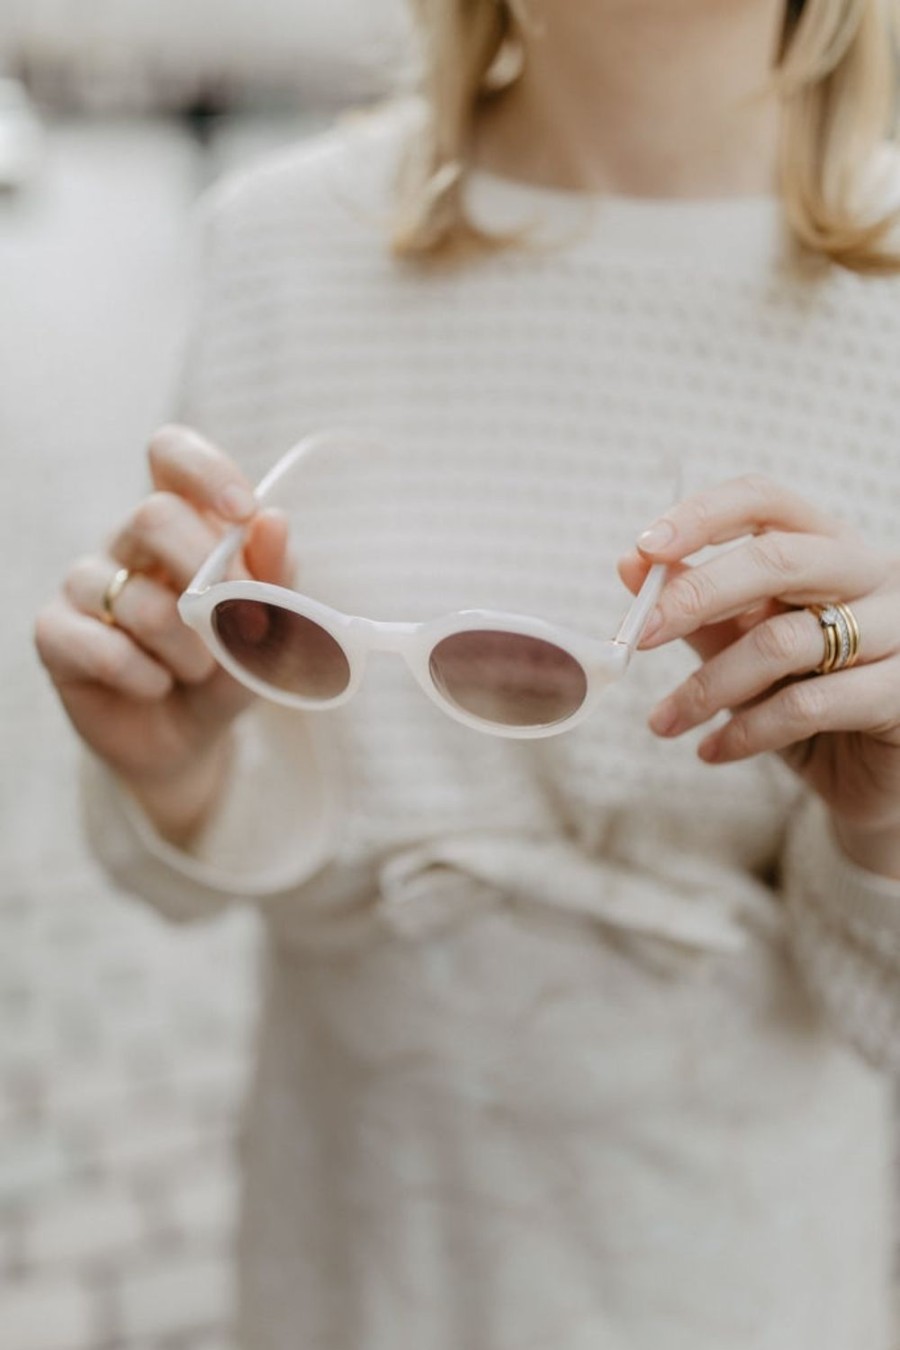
pixel 664 718
pixel 652 627
pixel 659 536
pixel 710 749
pixel 237 502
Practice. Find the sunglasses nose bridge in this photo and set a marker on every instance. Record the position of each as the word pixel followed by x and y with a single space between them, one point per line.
pixel 386 637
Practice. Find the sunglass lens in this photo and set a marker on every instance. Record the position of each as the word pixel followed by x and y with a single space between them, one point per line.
pixel 508 678
pixel 283 649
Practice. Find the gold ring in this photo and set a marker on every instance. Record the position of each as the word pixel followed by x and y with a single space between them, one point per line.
pixel 841 635
pixel 111 594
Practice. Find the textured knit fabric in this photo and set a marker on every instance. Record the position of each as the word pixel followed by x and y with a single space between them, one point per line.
pixel 568 1043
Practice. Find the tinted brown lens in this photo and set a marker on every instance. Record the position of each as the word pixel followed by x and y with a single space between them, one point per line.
pixel 509 678
pixel 284 649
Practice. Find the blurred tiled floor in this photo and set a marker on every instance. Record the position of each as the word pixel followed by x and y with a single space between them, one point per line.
pixel 122 1065
pixel 123 1042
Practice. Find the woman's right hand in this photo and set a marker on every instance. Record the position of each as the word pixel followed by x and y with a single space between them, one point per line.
pixel 144 693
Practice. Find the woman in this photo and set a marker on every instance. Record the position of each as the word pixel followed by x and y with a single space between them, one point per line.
pixel 579 1041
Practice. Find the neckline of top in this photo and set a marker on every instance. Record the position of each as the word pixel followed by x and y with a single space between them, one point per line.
pixel 738 232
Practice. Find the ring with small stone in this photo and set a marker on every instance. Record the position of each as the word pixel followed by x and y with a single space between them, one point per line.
pixel 841 636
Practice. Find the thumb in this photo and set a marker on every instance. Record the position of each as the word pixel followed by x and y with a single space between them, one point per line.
pixel 266 548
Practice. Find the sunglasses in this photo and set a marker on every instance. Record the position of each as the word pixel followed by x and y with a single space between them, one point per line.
pixel 507 674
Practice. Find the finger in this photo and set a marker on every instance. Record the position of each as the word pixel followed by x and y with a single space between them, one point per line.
pixel 784 646
pixel 633 568
pixel 729 510
pixel 706 641
pixel 864 699
pixel 183 462
pixel 166 533
pixel 76 649
pixel 765 609
pixel 266 548
pixel 798 569
pixel 148 611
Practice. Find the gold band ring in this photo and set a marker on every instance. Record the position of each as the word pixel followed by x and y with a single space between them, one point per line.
pixel 111 594
pixel 841 635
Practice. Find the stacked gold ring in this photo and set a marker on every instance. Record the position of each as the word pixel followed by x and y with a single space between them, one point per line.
pixel 841 634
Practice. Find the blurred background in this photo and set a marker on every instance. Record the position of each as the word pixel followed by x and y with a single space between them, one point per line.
pixel 123 1043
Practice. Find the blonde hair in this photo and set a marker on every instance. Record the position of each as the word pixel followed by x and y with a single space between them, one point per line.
pixel 835 77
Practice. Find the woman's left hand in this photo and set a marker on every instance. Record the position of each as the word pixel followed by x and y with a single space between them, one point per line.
pixel 743 610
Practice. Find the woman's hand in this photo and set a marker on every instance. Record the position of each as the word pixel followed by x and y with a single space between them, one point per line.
pixel 743 611
pixel 144 693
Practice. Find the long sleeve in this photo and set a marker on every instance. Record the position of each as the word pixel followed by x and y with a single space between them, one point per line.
pixel 275 826
pixel 276 822
pixel 845 929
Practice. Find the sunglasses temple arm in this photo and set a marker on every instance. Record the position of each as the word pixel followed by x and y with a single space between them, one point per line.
pixel 629 635
pixel 216 565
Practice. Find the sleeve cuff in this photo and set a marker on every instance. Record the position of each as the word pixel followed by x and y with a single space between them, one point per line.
pixel 275 827
pixel 844 923
pixel 817 871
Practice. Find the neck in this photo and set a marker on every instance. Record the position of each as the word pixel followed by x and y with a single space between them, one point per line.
pixel 644 98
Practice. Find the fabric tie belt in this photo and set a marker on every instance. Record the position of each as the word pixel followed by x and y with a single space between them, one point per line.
pixel 427 887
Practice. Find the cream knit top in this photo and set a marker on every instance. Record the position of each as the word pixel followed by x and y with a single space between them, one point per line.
pixel 575 1043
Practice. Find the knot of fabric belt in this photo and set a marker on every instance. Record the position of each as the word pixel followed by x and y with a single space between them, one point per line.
pixel 432 886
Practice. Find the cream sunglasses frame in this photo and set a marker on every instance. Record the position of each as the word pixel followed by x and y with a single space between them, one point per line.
pixel 602 660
